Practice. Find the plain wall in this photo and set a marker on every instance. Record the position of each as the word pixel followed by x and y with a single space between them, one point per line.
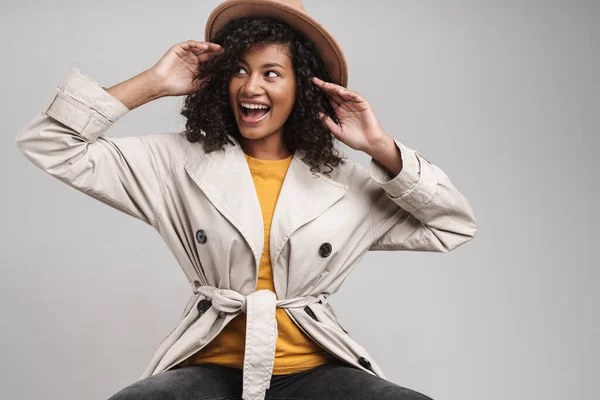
pixel 503 96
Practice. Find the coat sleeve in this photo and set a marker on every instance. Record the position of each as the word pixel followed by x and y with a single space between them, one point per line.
pixel 419 209
pixel 66 140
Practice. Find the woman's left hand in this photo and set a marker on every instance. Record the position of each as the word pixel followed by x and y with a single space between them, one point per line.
pixel 359 127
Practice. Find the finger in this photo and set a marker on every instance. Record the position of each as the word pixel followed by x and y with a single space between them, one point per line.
pixel 333 96
pixel 210 45
pixel 330 125
pixel 202 47
pixel 333 103
pixel 350 95
pixel 338 92
pixel 330 86
pixel 193 47
pixel 343 94
pixel 330 89
pixel 204 54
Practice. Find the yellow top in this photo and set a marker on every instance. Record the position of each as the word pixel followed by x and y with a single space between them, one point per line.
pixel 295 351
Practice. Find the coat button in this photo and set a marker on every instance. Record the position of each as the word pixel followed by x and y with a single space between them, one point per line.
pixel 204 305
pixel 201 236
pixel 325 249
pixel 364 362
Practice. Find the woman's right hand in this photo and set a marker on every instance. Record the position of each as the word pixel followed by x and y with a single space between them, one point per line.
pixel 175 71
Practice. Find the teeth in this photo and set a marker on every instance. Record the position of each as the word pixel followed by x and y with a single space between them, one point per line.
pixel 254 106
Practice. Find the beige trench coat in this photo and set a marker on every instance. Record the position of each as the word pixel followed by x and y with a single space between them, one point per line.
pixel 206 209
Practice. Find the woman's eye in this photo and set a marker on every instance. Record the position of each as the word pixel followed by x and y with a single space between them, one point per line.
pixel 276 74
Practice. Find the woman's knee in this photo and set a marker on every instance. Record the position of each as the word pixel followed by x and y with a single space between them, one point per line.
pixel 196 381
pixel 160 386
pixel 397 392
pixel 348 382
pixel 142 391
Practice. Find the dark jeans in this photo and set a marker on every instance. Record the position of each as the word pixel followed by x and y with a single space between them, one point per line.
pixel 216 382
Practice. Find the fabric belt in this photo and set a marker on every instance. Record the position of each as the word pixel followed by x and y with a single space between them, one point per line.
pixel 261 331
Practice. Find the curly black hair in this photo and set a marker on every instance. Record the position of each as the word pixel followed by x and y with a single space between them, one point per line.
pixel 208 110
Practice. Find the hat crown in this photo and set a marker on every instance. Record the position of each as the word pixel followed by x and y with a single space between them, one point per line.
pixel 292 3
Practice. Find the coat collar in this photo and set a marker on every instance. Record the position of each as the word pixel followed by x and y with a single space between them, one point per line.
pixel 225 178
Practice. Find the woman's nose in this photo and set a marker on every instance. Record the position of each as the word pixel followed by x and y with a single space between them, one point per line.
pixel 252 87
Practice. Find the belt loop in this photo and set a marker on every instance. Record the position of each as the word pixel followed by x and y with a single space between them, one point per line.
pixel 321 297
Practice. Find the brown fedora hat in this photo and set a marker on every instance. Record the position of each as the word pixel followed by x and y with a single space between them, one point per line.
pixel 291 12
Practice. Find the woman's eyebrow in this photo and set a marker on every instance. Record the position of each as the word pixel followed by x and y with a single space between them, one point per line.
pixel 265 65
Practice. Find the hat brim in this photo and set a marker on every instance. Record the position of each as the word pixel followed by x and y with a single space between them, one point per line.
pixel 327 47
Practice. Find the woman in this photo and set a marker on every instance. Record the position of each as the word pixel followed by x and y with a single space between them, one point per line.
pixel 263 236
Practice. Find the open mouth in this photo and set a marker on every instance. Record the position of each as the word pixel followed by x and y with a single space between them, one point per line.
pixel 253 116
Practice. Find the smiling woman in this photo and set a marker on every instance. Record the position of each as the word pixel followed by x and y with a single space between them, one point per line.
pixel 264 62
pixel 263 239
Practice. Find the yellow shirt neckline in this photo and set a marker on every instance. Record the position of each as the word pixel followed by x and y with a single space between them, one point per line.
pixel 268 163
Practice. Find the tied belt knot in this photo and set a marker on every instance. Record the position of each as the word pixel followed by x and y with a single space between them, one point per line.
pixel 261 331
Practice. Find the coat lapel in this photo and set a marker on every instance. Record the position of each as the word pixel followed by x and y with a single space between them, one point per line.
pixel 225 178
pixel 303 197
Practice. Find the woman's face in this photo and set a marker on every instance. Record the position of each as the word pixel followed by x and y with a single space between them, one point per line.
pixel 266 76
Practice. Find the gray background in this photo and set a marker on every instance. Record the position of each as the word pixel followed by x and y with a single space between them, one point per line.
pixel 503 96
